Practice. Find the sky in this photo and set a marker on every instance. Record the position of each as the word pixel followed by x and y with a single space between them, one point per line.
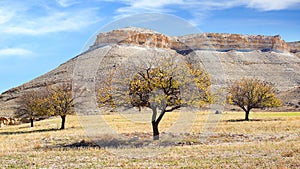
pixel 36 36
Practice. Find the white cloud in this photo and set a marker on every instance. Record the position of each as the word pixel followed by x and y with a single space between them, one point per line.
pixel 199 7
pixel 67 3
pixel 21 17
pixel 148 4
pixel 8 11
pixel 6 15
pixel 144 6
pixel 54 22
pixel 211 4
pixel 42 18
pixel 268 5
pixel 15 52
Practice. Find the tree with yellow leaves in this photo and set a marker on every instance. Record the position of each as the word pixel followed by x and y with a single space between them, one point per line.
pixel 252 93
pixel 163 85
pixel 61 101
pixel 33 105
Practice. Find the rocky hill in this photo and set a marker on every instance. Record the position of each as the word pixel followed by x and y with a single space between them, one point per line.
pixel 226 57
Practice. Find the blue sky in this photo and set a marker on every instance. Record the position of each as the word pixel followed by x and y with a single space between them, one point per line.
pixel 38 35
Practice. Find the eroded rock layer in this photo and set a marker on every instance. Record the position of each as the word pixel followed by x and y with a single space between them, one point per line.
pixel 204 41
pixel 294 46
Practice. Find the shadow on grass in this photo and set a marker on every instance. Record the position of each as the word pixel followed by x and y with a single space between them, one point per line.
pixel 81 144
pixel 251 120
pixel 117 143
pixel 28 132
pixel 138 141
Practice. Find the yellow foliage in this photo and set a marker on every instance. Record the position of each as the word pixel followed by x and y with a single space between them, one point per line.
pixel 33 105
pixel 253 93
pixel 161 84
pixel 60 100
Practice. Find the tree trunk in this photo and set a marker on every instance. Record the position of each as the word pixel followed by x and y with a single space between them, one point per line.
pixel 155 130
pixel 155 121
pixel 31 122
pixel 247 115
pixel 63 120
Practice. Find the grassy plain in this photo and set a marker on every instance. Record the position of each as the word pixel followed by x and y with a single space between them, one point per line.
pixel 269 140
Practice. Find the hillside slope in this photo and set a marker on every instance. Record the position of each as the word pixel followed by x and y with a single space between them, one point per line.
pixel 226 57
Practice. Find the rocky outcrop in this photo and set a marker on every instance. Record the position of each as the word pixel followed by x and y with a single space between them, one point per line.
pixel 204 41
pixel 294 46
pixel 134 36
pixel 227 42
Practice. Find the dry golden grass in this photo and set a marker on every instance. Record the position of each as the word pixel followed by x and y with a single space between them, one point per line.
pixel 270 140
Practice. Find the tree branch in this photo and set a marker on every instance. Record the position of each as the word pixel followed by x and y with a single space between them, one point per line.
pixel 173 108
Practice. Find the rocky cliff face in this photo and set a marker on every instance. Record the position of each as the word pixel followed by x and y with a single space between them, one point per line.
pixel 294 46
pixel 227 42
pixel 134 36
pixel 227 56
pixel 204 41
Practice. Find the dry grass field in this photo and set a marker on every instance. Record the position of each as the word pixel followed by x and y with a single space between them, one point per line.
pixel 269 140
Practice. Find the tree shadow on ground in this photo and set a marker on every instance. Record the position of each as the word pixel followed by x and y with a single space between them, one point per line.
pixel 81 144
pixel 28 132
pixel 114 141
pixel 117 143
pixel 251 120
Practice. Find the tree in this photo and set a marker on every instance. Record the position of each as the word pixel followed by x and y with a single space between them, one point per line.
pixel 252 93
pixel 163 85
pixel 33 105
pixel 104 94
pixel 61 101
pixel 158 90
